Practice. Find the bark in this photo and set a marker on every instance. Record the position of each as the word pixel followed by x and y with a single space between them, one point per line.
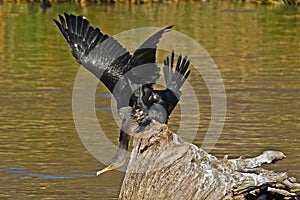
pixel 163 166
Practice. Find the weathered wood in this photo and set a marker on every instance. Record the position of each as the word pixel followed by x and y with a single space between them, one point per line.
pixel 163 166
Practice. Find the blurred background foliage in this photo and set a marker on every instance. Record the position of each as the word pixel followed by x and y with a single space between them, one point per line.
pixel 47 3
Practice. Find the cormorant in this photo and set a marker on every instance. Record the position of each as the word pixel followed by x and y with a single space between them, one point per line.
pixel 130 78
pixel 45 4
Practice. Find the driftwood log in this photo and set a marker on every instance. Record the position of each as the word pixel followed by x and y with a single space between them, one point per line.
pixel 163 166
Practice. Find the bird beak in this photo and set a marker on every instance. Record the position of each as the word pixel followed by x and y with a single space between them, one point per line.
pixel 106 169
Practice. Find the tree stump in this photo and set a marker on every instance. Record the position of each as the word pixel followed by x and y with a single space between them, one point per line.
pixel 163 166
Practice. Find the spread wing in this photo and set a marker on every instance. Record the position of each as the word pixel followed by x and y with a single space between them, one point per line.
pixel 142 67
pixel 107 59
pixel 97 52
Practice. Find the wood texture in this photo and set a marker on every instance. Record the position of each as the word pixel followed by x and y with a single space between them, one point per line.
pixel 163 166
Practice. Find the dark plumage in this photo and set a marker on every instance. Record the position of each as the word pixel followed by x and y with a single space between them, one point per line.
pixel 159 104
pixel 107 59
pixel 129 78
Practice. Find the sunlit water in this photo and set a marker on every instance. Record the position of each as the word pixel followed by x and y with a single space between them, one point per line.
pixel 41 156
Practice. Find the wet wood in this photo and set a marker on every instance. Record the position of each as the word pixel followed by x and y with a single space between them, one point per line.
pixel 163 166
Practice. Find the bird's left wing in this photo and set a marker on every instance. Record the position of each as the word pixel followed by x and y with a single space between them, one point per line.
pixel 142 67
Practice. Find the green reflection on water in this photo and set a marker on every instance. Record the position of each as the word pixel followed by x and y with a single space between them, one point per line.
pixel 257 52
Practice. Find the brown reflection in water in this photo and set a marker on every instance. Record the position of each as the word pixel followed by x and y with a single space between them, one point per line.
pixel 256 50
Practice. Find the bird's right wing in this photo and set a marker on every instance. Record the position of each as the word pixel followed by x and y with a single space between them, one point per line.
pixel 97 52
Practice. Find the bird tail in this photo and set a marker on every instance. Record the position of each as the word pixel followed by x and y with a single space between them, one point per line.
pixel 81 37
pixel 175 77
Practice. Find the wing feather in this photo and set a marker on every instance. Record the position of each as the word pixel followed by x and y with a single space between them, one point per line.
pixel 107 59
pixel 176 78
pixel 142 67
pixel 96 51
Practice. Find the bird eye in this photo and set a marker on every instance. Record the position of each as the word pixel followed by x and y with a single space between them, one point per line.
pixel 154 98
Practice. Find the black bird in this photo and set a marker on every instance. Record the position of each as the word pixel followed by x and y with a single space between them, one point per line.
pixel 45 4
pixel 129 78
pixel 159 104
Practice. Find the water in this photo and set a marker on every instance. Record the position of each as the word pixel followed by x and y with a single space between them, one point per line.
pixel 256 50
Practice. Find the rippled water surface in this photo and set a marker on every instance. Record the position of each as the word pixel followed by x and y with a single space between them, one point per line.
pixel 256 50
